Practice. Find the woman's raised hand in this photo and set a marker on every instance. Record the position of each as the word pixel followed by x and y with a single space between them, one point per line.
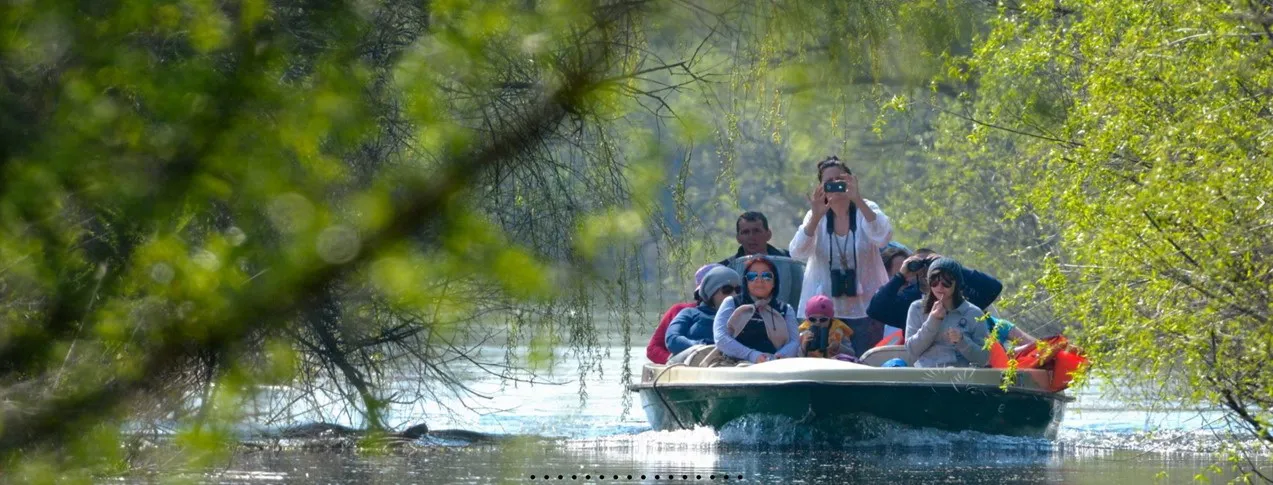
pixel 851 188
pixel 818 203
pixel 939 310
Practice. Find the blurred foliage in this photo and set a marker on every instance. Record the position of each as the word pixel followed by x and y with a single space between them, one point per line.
pixel 201 198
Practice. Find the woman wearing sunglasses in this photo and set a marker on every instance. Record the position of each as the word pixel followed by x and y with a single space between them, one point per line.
pixel 693 326
pixel 754 326
pixel 943 329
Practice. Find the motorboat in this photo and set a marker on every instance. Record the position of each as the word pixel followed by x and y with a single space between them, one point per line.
pixel 813 390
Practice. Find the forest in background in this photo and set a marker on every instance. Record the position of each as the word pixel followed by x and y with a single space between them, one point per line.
pixel 199 198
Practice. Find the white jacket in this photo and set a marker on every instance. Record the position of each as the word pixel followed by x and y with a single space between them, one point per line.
pixel 815 251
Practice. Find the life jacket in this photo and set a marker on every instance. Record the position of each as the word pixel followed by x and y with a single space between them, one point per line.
pixel 1053 353
pixel 837 332
pixel 1042 353
pixel 896 337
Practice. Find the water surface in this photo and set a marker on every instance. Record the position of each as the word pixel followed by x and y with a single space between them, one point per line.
pixel 562 431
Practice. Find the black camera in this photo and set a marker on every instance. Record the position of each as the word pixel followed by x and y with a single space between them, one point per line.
pixel 819 340
pixel 835 186
pixel 918 264
pixel 844 282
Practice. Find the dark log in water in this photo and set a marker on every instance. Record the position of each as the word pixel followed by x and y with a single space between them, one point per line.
pixel 329 436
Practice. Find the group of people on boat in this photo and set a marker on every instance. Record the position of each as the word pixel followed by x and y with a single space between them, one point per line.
pixel 856 282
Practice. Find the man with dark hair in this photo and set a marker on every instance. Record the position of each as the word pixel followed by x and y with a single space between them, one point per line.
pixel 752 231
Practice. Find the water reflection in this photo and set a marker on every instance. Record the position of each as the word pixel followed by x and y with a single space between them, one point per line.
pixel 603 460
pixel 555 433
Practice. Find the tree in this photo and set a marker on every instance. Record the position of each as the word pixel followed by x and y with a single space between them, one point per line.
pixel 1137 135
pixel 197 197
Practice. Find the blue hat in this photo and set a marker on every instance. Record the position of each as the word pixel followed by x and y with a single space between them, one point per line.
pixel 897 362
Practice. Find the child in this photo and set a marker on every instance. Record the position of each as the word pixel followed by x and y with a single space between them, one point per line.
pixel 824 335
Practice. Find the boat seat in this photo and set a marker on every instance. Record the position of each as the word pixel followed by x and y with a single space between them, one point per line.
pixel 876 357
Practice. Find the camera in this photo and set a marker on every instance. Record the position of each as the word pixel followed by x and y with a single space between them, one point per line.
pixel 919 264
pixel 844 282
pixel 835 186
pixel 819 340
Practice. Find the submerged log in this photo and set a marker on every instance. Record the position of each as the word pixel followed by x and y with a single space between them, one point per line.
pixel 317 430
pixel 326 435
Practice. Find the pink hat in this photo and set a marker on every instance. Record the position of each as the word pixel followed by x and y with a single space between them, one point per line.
pixel 819 305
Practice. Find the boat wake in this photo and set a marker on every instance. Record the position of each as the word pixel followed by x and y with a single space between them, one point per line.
pixel 869 434
pixel 849 432
pixel 859 432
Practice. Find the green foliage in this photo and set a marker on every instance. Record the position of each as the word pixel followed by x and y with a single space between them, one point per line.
pixel 198 198
pixel 1106 161
pixel 1137 133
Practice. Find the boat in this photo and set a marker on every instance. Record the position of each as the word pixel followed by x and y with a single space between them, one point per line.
pixel 813 390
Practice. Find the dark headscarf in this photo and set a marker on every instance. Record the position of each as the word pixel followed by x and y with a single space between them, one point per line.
pixel 774 302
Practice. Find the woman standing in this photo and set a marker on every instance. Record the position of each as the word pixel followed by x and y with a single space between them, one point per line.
pixel 840 240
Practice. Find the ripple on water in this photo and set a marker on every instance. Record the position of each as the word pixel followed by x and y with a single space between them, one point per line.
pixel 865 433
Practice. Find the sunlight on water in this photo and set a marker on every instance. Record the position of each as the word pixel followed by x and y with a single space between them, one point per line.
pixel 700 437
pixel 555 411
pixel 1101 440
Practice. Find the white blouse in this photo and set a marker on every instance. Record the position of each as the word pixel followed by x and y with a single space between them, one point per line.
pixel 815 252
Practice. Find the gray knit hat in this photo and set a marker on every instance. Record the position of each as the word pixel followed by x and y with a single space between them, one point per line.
pixel 718 278
pixel 950 267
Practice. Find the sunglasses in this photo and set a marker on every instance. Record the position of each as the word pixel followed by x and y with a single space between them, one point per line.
pixel 819 320
pixel 727 290
pixel 942 280
pixel 752 275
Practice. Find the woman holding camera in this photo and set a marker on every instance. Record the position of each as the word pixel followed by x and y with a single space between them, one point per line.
pixel 839 241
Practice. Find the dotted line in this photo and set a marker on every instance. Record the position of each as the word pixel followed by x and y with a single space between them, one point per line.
pixel 631 477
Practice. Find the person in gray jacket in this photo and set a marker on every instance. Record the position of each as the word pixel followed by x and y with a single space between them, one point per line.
pixel 943 329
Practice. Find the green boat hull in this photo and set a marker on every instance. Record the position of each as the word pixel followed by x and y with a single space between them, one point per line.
pixel 951 407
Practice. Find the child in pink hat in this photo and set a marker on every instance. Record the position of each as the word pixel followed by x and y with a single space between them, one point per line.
pixel 823 335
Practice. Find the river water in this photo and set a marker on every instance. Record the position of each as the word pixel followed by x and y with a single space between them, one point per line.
pixel 560 431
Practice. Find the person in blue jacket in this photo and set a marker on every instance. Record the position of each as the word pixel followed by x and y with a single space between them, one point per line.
pixel 893 300
pixel 693 326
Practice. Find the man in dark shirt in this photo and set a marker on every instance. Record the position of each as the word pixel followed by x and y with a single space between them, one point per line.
pixel 893 300
pixel 752 231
